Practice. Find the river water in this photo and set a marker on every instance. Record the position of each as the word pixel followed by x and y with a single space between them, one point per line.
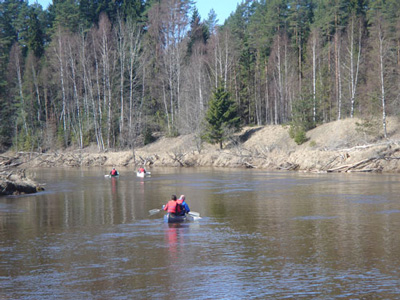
pixel 263 235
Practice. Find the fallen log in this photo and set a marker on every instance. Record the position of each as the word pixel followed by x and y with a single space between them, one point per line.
pixel 361 166
pixel 288 166
pixel 248 165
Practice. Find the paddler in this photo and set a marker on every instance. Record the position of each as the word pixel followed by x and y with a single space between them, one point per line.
pixel 172 206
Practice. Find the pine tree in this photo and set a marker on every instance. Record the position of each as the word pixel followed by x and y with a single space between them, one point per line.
pixel 35 34
pixel 67 15
pixel 222 117
pixel 198 32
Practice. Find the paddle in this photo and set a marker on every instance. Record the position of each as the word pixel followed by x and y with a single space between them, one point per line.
pixel 194 214
pixel 154 211
pixel 191 213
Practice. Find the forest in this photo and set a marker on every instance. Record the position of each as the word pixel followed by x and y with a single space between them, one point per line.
pixel 111 74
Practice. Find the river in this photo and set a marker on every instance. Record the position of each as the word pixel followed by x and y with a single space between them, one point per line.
pixel 262 235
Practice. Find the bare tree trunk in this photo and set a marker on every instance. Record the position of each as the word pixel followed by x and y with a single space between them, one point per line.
pixel 337 66
pixel 216 65
pixel 121 50
pixel 256 96
pixel 300 65
pixel 98 99
pixel 382 79
pixel 64 101
pixel 286 95
pixel 314 69
pixel 106 80
pixel 21 95
pixel 339 74
pixel 82 60
pixel 166 109
pixel 200 89
pixel 226 60
pixel 280 88
pixel 76 97
pixel 354 73
pixel 97 133
pixel 134 36
pixel 35 82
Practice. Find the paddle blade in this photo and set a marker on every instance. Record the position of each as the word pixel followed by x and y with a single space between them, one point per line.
pixel 107 176
pixel 154 211
pixel 194 214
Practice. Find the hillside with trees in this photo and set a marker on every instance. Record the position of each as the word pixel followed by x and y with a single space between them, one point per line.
pixel 110 74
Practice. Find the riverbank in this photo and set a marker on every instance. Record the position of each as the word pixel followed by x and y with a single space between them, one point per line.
pixel 350 145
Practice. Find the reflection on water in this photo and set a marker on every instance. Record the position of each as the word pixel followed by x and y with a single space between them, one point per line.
pixel 263 235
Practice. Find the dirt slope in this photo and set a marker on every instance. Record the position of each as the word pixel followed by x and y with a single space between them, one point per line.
pixel 336 146
pixel 349 145
pixel 341 146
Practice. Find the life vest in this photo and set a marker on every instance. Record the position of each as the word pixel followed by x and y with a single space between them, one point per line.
pixel 114 172
pixel 173 207
pixel 180 206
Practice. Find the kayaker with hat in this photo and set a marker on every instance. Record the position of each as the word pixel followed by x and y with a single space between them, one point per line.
pixel 184 206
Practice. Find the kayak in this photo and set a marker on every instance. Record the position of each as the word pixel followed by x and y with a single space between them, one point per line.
pixel 142 174
pixel 109 175
pixel 172 218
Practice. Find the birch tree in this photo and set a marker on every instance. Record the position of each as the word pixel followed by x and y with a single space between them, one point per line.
pixel 59 54
pixel 106 65
pixel 169 31
pixel 381 61
pixel 134 40
pixel 16 60
pixel 353 58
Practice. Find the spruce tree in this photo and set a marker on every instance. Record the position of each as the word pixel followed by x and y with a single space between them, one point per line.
pixel 35 34
pixel 222 117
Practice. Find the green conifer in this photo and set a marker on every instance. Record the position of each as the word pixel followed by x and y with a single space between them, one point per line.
pixel 222 117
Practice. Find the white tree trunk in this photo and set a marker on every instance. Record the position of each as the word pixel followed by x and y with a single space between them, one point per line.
pixel 382 79
pixel 314 69
pixel 21 95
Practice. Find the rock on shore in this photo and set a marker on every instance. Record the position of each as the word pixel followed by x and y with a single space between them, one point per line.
pixel 16 184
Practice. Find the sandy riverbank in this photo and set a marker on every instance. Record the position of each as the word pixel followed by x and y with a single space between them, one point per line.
pixel 341 146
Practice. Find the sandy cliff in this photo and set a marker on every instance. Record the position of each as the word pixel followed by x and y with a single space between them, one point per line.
pixel 343 146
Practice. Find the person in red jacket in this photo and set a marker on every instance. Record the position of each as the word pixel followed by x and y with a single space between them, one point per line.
pixel 142 170
pixel 172 207
pixel 114 172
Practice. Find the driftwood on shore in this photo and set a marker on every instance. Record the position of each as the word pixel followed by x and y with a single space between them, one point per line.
pixel 367 165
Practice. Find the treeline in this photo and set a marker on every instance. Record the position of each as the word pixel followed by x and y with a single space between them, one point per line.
pixel 111 73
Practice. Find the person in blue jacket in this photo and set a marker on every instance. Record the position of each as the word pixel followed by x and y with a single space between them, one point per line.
pixel 184 206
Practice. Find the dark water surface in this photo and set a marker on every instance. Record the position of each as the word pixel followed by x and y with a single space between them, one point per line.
pixel 263 235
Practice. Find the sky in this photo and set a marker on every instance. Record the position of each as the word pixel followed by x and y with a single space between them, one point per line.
pixel 223 8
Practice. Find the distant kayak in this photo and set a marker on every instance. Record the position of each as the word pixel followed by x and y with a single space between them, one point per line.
pixel 109 175
pixel 142 174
